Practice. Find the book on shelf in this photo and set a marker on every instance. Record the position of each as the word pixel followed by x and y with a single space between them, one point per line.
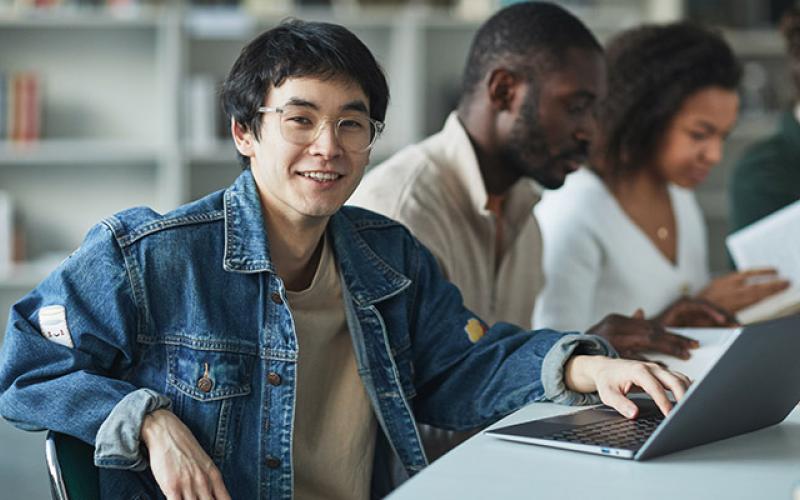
pixel 773 241
pixel 20 106
pixel 3 106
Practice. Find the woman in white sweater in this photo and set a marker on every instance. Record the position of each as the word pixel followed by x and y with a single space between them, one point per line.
pixel 627 233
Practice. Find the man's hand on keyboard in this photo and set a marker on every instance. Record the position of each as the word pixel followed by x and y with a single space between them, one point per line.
pixel 613 379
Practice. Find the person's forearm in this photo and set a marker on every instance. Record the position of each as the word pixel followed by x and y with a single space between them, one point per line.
pixel 152 424
pixel 118 441
pixel 577 373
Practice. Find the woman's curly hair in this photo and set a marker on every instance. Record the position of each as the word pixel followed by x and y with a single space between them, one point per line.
pixel 652 69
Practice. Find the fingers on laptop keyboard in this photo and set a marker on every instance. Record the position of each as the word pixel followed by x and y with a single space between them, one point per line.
pixel 649 377
pixel 675 382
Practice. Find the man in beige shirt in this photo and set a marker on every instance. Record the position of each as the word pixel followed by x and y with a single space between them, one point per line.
pixel 491 252
pixel 525 121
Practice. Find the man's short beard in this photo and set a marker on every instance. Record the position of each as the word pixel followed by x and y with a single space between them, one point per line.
pixel 526 152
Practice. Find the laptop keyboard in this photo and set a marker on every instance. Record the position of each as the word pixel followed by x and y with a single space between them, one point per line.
pixel 624 433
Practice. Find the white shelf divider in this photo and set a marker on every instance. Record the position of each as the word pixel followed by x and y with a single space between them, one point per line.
pixel 76 151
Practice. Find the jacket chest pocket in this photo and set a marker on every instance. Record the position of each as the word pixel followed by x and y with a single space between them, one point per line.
pixel 208 389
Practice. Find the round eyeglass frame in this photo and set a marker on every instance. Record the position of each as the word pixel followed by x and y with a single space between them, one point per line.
pixel 378 125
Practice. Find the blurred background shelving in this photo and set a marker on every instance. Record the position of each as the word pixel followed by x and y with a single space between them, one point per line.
pixel 128 113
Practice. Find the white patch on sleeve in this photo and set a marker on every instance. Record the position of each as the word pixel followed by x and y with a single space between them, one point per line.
pixel 53 325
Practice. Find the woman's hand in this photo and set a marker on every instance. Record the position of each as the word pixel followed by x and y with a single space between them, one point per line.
pixel 735 291
pixel 613 379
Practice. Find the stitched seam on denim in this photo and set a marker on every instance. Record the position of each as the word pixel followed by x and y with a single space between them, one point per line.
pixel 220 440
pixel 398 279
pixel 279 354
pixel 416 263
pixel 134 277
pixel 288 484
pixel 363 297
pixel 153 227
pixel 397 382
pixel 192 391
pixel 256 266
pixel 357 333
pixel 238 347
pixel 376 223
pixel 400 350
pixel 253 265
pixel 375 258
pixel 227 219
pixel 215 395
pixel 410 392
pixel 117 461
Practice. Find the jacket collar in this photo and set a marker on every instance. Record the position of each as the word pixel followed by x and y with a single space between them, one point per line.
pixel 246 246
pixel 368 277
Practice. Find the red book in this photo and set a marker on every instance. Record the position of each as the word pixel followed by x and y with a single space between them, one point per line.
pixel 17 118
pixel 31 130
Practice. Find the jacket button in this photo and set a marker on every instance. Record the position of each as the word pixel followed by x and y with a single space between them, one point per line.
pixel 273 463
pixel 276 297
pixel 273 378
pixel 205 384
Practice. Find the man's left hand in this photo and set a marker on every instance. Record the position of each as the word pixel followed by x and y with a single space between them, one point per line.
pixel 633 335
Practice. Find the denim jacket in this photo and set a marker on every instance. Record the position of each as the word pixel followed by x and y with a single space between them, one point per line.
pixel 186 311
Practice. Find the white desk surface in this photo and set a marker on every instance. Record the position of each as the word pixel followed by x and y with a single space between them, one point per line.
pixel 760 465
pixel 764 464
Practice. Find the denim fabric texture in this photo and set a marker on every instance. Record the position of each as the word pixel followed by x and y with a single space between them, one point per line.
pixel 555 389
pixel 188 306
pixel 118 442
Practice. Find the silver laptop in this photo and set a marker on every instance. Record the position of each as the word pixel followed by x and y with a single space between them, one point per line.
pixel 754 384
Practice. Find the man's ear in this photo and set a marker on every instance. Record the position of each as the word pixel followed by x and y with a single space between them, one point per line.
pixel 502 86
pixel 245 142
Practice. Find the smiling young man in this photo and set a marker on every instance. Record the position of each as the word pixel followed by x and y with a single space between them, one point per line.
pixel 264 342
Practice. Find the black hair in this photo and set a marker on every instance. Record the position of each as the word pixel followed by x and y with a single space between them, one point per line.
pixel 524 35
pixel 652 69
pixel 293 49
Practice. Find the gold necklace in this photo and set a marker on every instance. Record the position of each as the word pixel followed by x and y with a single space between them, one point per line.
pixel 662 233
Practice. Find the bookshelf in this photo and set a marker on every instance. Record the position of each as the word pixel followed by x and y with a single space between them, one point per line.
pixel 117 118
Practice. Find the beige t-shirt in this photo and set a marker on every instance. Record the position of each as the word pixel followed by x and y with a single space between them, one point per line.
pixel 436 189
pixel 334 427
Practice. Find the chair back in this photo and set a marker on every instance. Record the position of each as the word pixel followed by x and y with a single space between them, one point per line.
pixel 70 463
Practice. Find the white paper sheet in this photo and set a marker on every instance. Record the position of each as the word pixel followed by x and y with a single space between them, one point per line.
pixel 774 241
pixel 713 342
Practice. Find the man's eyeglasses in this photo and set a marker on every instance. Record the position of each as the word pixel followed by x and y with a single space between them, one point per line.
pixel 355 133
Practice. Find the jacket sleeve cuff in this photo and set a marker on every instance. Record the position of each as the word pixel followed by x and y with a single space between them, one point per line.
pixel 117 444
pixel 555 389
